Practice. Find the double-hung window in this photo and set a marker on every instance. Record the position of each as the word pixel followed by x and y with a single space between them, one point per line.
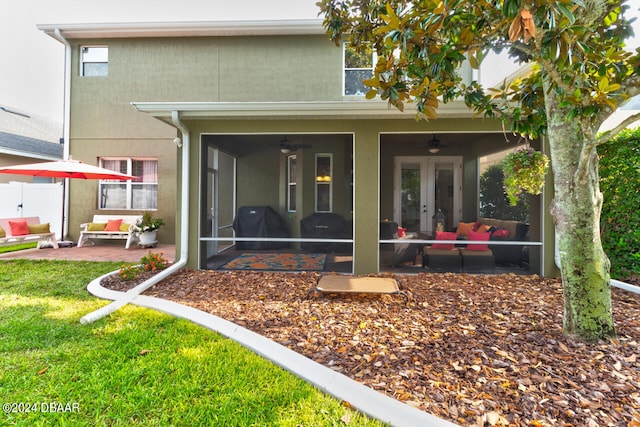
pixel 94 61
pixel 138 194
pixel 358 66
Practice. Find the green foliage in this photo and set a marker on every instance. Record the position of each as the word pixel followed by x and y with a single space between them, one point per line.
pixel 154 262
pixel 577 47
pixel 524 172
pixel 148 222
pixel 129 272
pixel 137 366
pixel 620 186
pixel 493 199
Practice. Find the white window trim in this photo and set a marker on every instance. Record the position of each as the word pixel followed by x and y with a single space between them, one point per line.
pixel 374 59
pixel 129 183
pixel 81 62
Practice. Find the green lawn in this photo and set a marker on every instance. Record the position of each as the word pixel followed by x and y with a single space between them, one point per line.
pixel 135 367
pixel 18 247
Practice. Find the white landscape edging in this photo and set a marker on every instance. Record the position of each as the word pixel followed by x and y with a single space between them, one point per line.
pixel 361 397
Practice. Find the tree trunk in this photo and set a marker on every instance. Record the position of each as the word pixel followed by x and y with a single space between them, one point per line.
pixel 576 211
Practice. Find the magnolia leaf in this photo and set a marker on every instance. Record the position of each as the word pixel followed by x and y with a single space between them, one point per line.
pixel 603 83
pixel 474 62
pixel 371 94
pixel 529 27
pixel 372 82
pixel 43 370
pixel 515 30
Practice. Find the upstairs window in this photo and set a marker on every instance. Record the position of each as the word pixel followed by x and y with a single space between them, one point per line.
pixel 94 61
pixel 358 66
pixel 140 194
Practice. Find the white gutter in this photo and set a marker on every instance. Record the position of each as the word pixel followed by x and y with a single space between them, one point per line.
pixel 131 294
pixel 65 124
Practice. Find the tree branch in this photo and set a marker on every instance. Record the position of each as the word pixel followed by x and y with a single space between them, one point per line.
pixel 607 135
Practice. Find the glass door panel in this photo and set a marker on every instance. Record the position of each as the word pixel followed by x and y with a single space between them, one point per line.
pixel 410 197
pixel 444 192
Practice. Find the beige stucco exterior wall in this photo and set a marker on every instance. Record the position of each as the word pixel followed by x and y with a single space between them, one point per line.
pixel 103 122
pixel 230 69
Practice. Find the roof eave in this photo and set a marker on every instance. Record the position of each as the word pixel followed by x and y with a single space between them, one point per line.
pixel 296 109
pixel 184 29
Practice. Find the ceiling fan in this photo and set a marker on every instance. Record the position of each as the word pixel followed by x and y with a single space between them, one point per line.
pixel 287 146
pixel 434 145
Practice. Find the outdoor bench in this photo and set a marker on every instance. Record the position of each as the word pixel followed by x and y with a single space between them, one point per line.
pixel 26 230
pixel 109 227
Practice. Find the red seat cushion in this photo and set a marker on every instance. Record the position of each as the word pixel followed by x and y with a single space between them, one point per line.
pixel 19 227
pixel 473 235
pixel 445 235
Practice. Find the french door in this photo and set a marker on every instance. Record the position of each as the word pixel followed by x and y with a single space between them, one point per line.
pixel 424 185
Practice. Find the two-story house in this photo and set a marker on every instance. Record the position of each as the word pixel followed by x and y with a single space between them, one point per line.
pixel 217 116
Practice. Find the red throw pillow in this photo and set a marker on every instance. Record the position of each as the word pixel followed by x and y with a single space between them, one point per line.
pixel 501 232
pixel 445 235
pixel 401 232
pixel 478 236
pixel 19 227
pixel 113 225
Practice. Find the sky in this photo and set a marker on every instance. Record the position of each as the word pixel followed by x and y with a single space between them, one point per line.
pixel 32 65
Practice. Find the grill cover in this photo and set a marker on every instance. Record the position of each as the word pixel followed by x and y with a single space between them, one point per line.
pixel 259 221
pixel 325 226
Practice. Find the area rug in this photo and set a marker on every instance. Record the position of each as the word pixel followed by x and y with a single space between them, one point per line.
pixel 277 262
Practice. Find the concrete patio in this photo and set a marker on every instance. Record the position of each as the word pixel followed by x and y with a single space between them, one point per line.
pixel 106 251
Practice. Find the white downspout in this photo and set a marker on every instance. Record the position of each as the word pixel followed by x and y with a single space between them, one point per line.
pixel 65 124
pixel 128 296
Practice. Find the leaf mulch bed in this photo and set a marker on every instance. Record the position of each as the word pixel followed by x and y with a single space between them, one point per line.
pixel 475 350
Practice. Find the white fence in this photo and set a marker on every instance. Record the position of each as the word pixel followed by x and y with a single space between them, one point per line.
pixel 21 199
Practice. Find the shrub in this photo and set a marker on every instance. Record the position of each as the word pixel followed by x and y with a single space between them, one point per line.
pixel 620 185
pixel 129 272
pixel 154 262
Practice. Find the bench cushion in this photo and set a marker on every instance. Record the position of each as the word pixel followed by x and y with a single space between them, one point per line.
pixel 39 228
pixel 96 226
pixel 113 225
pixel 19 227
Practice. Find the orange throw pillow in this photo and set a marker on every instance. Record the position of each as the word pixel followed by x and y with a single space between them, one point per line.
pixel 113 225
pixel 464 228
pixel 478 236
pixel 19 227
pixel 444 235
